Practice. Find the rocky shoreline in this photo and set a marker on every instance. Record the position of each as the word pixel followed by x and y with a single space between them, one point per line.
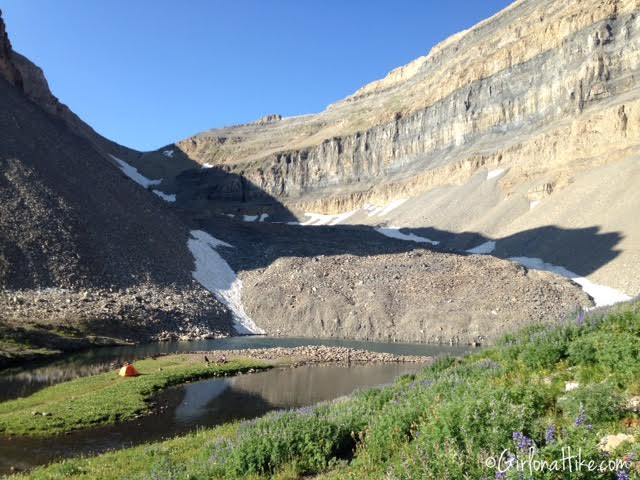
pixel 311 354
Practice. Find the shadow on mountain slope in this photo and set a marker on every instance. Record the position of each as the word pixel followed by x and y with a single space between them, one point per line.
pixel 581 250
pixel 206 196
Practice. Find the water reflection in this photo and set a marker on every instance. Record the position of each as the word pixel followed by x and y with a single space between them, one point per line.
pixel 205 404
pixel 16 383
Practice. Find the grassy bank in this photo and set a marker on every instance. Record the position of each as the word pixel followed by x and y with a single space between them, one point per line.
pixel 13 352
pixel 107 398
pixel 546 388
pixel 26 344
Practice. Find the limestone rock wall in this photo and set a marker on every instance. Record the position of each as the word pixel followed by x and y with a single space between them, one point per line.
pixel 532 68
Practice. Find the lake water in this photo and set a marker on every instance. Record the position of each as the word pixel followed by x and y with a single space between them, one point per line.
pixel 24 381
pixel 207 403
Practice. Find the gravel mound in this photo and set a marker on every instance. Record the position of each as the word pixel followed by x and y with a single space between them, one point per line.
pixel 421 295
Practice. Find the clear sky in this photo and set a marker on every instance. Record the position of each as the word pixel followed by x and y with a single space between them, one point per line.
pixel 149 72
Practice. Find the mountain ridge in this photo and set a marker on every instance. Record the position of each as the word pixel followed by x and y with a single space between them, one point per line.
pixel 545 90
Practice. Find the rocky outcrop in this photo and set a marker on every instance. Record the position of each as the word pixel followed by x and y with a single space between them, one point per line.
pixel 31 81
pixel 7 69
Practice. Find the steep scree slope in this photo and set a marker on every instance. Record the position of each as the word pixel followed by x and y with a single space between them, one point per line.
pixel 83 250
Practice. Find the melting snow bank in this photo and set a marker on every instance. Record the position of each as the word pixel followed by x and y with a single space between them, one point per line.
pixel 215 274
pixel 484 248
pixel 394 232
pixel 319 219
pixel 377 211
pixel 494 173
pixel 601 294
pixel 252 218
pixel 165 196
pixel 134 175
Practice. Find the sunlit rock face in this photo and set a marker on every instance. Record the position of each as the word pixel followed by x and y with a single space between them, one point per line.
pixel 545 91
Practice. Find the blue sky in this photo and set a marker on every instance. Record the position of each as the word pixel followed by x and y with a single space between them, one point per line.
pixel 149 72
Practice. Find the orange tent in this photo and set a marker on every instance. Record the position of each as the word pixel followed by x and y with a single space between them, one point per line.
pixel 128 371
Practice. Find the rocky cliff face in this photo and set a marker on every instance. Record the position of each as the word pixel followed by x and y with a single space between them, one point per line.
pixel 529 67
pixel 31 81
pixel 7 69
pixel 545 91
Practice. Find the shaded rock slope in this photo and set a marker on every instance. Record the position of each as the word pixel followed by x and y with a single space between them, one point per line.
pixel 83 250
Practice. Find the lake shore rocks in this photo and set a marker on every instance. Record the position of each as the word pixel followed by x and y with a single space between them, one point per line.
pixel 313 354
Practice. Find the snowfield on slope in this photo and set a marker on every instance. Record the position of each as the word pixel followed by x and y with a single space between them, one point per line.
pixel 165 196
pixel 214 273
pixel 319 219
pixel 483 249
pixel 601 294
pixel 494 173
pixel 134 175
pixel 394 232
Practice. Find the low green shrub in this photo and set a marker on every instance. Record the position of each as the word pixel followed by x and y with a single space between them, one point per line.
pixel 597 403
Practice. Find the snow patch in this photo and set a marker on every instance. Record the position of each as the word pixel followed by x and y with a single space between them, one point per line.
pixel 134 175
pixel 249 218
pixel 494 173
pixel 263 217
pixel 165 196
pixel 601 294
pixel 168 153
pixel 230 215
pixel 483 249
pixel 380 211
pixel 372 210
pixel 215 274
pixel 207 165
pixel 394 232
pixel 534 204
pixel 318 219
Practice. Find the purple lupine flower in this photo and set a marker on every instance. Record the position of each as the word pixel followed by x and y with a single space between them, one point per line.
pixel 622 475
pixel 501 475
pixel 306 411
pixel 581 419
pixel 522 441
pixel 580 319
pixel 221 449
pixel 550 435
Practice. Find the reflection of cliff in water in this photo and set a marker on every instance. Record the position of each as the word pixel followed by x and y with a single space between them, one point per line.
pixel 296 387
